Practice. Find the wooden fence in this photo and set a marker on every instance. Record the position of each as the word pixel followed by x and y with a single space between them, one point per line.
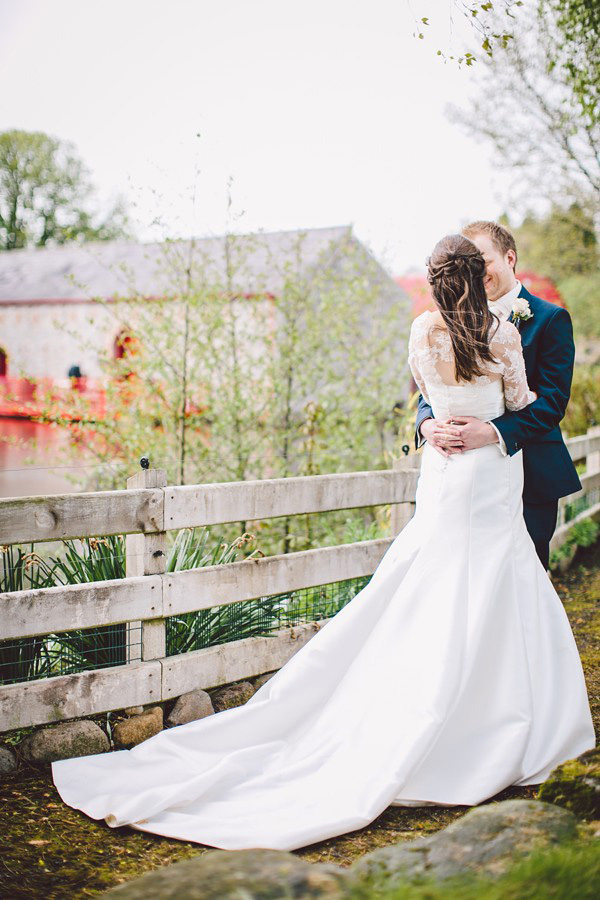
pixel 148 594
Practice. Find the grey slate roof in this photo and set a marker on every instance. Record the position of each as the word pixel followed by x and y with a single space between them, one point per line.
pixel 43 273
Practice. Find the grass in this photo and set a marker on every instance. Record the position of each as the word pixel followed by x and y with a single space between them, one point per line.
pixel 49 850
pixel 569 872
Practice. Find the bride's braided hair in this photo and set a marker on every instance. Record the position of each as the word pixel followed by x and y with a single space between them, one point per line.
pixel 455 272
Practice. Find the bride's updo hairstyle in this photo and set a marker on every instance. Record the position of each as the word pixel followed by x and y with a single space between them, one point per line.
pixel 455 272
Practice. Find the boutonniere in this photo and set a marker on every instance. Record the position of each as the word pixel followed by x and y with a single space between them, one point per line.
pixel 521 311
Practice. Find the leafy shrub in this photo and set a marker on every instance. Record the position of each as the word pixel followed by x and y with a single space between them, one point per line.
pixel 583 410
pixel 582 534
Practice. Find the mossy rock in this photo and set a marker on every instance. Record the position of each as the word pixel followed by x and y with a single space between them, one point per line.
pixel 486 841
pixel 237 875
pixel 575 785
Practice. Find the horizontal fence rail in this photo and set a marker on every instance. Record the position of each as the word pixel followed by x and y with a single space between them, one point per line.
pixel 148 596
pixel 99 603
pixel 33 519
pixel 54 517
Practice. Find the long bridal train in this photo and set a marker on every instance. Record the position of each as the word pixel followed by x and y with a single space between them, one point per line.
pixel 452 675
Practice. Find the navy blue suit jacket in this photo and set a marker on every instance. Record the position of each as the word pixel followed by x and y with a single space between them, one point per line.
pixel 549 354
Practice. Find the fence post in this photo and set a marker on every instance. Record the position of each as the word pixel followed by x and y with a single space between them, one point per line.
pixel 145 554
pixel 592 462
pixel 402 513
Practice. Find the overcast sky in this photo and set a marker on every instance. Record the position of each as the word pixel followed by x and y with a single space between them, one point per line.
pixel 323 112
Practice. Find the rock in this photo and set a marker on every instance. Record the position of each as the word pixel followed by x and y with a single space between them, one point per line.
pixel 8 763
pixel 232 695
pixel 129 732
pixel 576 785
pixel 237 875
pixel 485 840
pixel 64 741
pixel 133 710
pixel 261 679
pixel 191 706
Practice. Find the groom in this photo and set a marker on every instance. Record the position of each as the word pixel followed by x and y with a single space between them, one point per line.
pixel 549 352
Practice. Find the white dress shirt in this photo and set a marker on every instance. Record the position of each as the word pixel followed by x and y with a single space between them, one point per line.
pixel 502 307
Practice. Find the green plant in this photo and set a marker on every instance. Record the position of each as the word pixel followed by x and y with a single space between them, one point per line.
pixel 320 602
pixel 584 406
pixel 103 559
pixel 218 624
pixel 582 534
pixel 189 550
pixel 29 657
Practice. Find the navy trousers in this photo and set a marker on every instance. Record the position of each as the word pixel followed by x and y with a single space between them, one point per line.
pixel 540 519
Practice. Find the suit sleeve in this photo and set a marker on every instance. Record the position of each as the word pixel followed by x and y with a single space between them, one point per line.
pixel 424 411
pixel 555 373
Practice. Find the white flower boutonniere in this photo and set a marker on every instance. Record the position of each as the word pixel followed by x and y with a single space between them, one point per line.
pixel 521 311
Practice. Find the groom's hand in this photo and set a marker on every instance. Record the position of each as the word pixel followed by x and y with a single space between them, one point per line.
pixel 474 433
pixel 442 436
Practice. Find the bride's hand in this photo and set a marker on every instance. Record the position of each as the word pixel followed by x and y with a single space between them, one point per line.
pixel 442 435
pixel 474 432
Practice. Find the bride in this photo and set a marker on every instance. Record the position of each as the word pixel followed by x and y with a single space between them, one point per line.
pixel 452 675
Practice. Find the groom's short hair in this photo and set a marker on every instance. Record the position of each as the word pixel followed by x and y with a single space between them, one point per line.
pixel 500 235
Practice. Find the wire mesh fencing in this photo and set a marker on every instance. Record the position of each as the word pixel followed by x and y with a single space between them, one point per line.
pixel 263 616
pixel 47 656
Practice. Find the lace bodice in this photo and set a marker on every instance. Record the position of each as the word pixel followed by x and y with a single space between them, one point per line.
pixel 503 386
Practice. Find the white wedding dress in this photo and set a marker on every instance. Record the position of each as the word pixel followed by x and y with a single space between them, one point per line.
pixel 452 675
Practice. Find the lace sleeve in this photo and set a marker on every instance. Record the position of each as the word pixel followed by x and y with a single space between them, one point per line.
pixel 506 347
pixel 417 342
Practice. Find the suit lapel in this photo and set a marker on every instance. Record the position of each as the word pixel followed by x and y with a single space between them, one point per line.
pixel 520 324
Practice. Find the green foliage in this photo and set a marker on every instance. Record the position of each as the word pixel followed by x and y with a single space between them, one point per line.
pixel 99 559
pixel 577 55
pixel 22 571
pixel 560 245
pixel 322 602
pixel 189 550
pixel 221 624
pixel 533 110
pixel 490 21
pixel 92 559
pixel 88 560
pixel 582 534
pixel 583 410
pixel 581 293
pixel 44 192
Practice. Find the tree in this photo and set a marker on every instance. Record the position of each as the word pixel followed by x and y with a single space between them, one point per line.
pixel 254 358
pixel 529 107
pixel 44 194
pixel 489 20
pixel 563 246
pixel 577 29
pixel 560 244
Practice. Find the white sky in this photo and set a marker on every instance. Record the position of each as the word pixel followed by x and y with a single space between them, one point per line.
pixel 323 112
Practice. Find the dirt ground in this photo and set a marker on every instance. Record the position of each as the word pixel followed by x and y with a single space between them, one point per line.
pixel 49 850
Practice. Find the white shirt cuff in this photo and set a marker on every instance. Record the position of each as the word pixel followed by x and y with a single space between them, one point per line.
pixel 501 444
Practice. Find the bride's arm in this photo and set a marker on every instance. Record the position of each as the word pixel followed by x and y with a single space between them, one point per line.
pixel 415 343
pixel 507 349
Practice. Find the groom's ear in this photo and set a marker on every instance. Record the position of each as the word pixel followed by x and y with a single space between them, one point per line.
pixel 511 258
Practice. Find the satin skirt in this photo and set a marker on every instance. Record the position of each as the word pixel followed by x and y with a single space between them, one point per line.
pixel 452 675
